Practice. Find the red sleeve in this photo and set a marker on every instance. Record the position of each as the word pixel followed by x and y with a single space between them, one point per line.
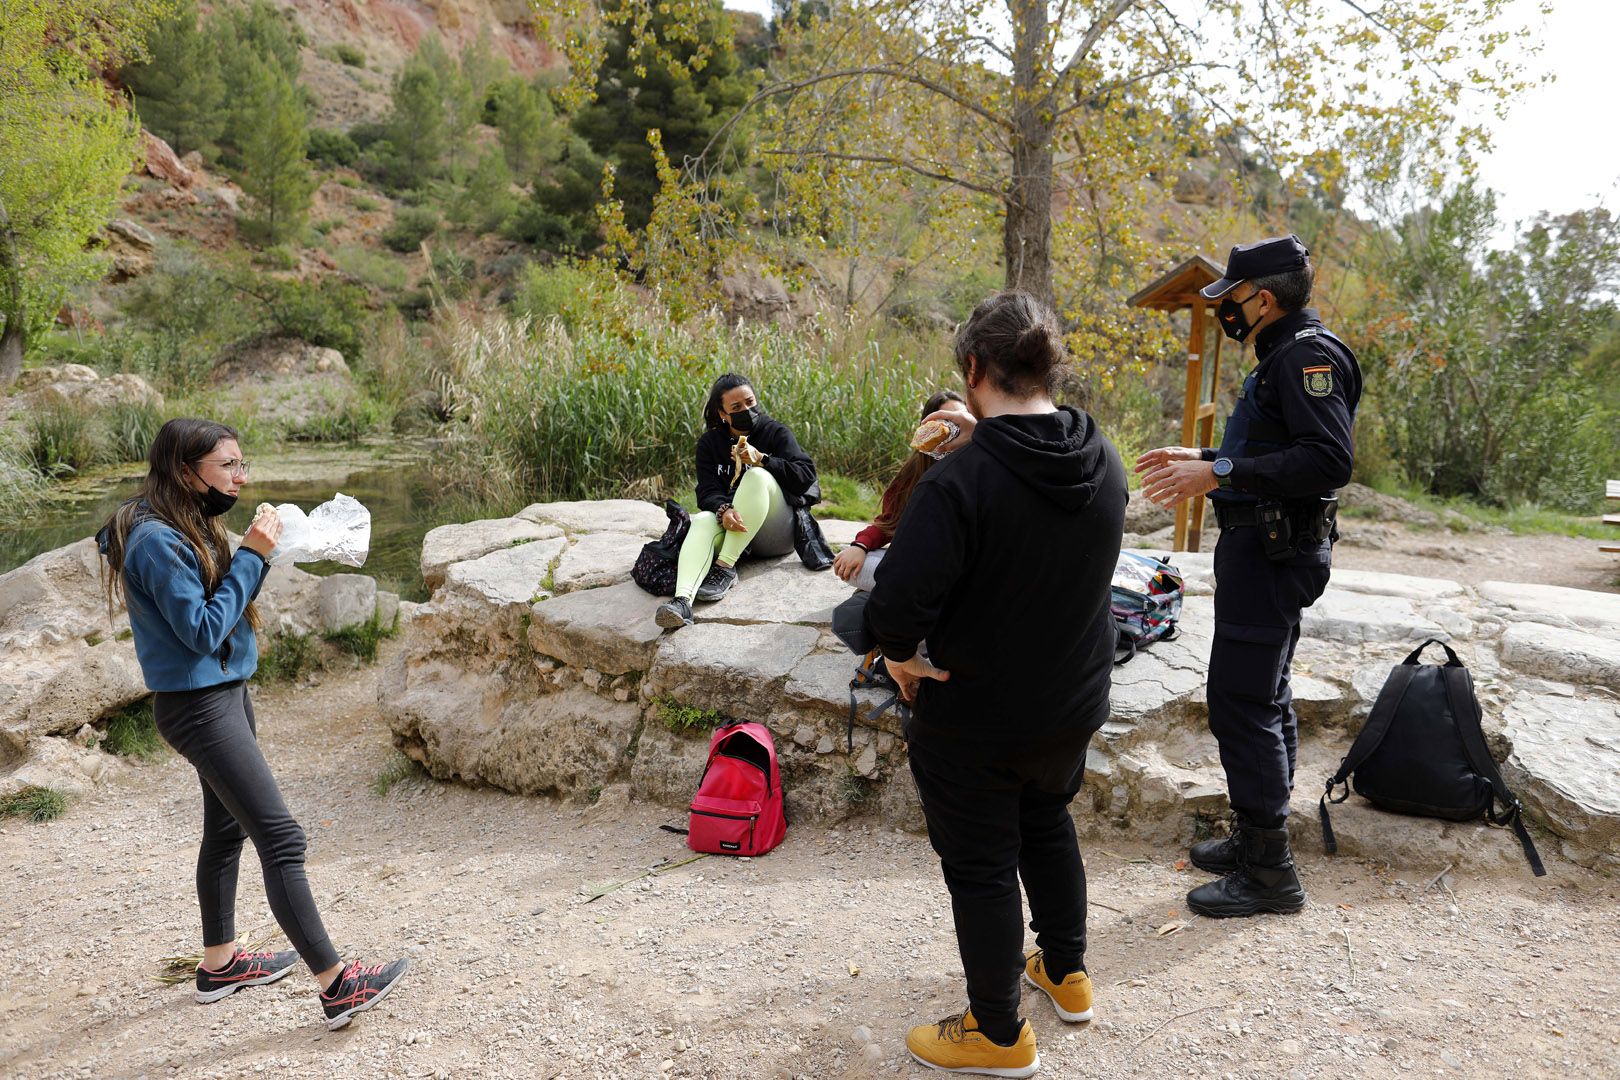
pixel 871 538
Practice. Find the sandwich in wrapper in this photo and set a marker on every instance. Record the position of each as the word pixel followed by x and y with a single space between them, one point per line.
pixel 933 434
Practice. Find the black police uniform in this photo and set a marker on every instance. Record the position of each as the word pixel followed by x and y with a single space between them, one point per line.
pixel 1289 443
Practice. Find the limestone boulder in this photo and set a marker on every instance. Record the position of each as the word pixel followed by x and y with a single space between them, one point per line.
pixel 59 764
pixel 630 516
pixel 667 766
pixel 1358 618
pixel 508 577
pixel 56 597
pixel 610 630
pixel 449 544
pixel 345 601
pixel 1163 684
pixel 552 744
pixel 289 603
pixel 131 248
pixel 840 533
pixel 738 670
pixel 1373 583
pixel 778 591
pixel 55 692
pixel 160 161
pixel 1567 655
pixel 1563 766
pixel 596 559
pixel 1554 605
pixel 67 386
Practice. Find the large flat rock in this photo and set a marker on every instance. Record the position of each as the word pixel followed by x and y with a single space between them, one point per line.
pixel 1565 764
pixel 1358 618
pixel 610 630
pixel 1568 655
pixel 778 591
pixel 68 687
pixel 512 575
pixel 1555 605
pixel 597 559
pixel 1375 583
pixel 840 533
pixel 54 597
pixel 449 544
pixel 1164 683
pixel 608 515
pixel 735 669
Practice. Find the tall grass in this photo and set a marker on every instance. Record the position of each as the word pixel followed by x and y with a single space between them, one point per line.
pixel 609 411
pixel 132 732
pixel 21 485
pixel 60 440
pixel 35 804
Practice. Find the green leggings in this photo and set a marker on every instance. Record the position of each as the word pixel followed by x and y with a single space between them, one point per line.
pixel 763 508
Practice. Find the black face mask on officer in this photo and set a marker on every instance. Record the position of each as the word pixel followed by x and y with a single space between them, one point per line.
pixel 1235 323
pixel 744 419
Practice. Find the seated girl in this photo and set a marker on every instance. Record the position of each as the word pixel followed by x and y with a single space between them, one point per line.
pixel 858 563
pixel 749 467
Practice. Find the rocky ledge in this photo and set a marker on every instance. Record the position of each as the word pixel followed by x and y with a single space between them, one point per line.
pixel 67 663
pixel 536 667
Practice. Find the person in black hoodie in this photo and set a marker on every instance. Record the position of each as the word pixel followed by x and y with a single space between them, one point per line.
pixel 1003 563
pixel 750 474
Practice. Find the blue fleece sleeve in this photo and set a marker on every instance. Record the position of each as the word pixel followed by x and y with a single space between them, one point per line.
pixel 166 569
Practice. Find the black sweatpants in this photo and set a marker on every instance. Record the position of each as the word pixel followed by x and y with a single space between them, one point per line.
pixel 1251 702
pixel 214 729
pixel 997 813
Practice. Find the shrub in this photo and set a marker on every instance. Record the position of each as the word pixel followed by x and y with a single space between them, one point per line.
pixel 132 732
pixel 285 658
pixel 354 421
pixel 346 54
pixel 361 641
pixel 332 148
pixel 130 428
pixel 682 718
pixel 322 313
pixel 370 267
pixel 567 291
pixel 411 226
pixel 278 257
pixel 365 204
pixel 398 767
pixel 35 804
pixel 61 440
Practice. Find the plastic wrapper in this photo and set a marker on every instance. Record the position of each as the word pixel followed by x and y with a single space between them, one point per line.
pixel 929 433
pixel 338 530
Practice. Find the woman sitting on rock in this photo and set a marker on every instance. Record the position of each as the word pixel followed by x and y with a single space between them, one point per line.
pixel 858 563
pixel 750 473
pixel 191 612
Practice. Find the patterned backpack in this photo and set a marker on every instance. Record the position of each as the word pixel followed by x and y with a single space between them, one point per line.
pixel 1146 602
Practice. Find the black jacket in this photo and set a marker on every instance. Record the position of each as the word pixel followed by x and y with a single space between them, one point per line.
pixel 792 467
pixel 1003 562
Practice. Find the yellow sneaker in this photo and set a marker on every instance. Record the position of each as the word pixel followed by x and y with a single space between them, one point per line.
pixel 955 1044
pixel 1071 998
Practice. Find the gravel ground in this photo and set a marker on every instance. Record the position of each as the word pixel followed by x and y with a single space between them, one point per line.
pixel 811 962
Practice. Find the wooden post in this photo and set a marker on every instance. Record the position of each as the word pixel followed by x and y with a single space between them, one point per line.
pixel 1189 418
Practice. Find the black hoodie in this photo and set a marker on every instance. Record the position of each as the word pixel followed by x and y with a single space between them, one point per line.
pixel 1002 563
pixel 794 471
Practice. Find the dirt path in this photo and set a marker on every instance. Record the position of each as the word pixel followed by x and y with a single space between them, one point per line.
pixel 728 968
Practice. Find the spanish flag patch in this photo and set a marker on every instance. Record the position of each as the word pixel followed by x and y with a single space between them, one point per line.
pixel 1319 380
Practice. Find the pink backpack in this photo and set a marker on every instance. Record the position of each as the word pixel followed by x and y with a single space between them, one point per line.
pixel 738 806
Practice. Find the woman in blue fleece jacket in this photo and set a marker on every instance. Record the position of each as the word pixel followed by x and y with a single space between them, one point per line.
pixel 191 612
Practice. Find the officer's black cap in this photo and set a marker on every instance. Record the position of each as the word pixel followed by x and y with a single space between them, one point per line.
pixel 1263 258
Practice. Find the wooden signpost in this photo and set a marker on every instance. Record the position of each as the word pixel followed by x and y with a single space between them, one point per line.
pixel 1174 291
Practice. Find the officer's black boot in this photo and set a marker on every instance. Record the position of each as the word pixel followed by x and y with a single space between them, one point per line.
pixel 1263 881
pixel 1219 856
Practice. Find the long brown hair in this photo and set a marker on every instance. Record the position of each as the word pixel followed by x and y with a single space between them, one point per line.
pixel 165 496
pixel 917 464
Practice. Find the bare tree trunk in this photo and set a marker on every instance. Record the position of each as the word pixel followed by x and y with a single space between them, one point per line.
pixel 1027 238
pixel 11 352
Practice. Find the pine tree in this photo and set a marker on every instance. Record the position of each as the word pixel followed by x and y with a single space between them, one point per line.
pixel 246 40
pixel 530 133
pixel 275 170
pixel 636 92
pixel 413 148
pixel 178 90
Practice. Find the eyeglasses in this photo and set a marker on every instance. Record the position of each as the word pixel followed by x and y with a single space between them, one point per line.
pixel 234 466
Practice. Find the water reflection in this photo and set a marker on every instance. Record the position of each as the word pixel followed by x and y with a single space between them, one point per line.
pixel 400 497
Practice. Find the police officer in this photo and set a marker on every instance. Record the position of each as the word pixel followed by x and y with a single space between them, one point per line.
pixel 1286 449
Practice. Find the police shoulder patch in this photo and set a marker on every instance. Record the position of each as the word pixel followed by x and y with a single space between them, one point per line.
pixel 1308 332
pixel 1318 380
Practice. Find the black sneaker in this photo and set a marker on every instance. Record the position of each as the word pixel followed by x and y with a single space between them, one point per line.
pixel 674 615
pixel 717 584
pixel 359 988
pixel 245 969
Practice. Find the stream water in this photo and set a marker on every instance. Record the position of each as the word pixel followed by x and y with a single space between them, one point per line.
pixel 390 481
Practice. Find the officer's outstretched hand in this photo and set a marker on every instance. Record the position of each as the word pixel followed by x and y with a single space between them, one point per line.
pixel 1166 454
pixel 910 673
pixel 1173 477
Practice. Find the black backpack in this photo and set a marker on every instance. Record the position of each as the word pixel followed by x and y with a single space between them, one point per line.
pixel 1422 752
pixel 654 569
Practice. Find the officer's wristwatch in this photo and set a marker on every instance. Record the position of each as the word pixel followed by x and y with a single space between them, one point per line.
pixel 1223 472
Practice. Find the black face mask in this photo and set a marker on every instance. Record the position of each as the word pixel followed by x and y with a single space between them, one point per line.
pixel 744 420
pixel 215 502
pixel 1234 324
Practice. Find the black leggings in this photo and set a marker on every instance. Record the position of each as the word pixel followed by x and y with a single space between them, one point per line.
pixel 214 730
pixel 997 813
